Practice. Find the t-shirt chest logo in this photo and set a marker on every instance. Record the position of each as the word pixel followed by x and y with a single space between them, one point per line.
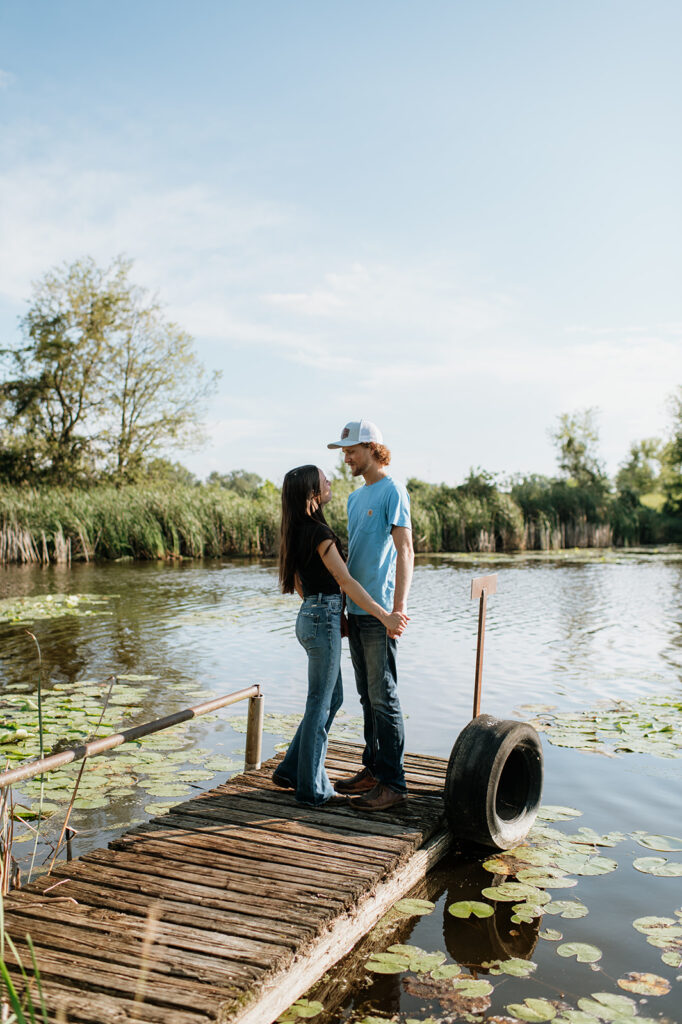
pixel 370 512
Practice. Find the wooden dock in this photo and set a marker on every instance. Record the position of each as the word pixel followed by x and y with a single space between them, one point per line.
pixel 229 907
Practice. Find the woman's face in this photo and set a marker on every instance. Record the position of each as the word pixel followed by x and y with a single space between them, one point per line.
pixel 325 489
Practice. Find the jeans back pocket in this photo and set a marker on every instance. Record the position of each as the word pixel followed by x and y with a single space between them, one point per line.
pixel 306 626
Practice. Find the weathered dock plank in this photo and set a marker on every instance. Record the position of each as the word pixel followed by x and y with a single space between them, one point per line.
pixel 230 906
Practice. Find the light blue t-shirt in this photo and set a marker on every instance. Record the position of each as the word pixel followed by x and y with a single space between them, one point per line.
pixel 372 511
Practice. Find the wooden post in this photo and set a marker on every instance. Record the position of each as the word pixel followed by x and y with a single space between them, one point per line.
pixel 254 733
pixel 481 587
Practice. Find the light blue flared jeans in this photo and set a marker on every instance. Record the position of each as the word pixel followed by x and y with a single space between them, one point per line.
pixel 318 630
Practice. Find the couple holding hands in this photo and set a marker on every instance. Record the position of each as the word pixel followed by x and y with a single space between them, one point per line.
pixel 375 582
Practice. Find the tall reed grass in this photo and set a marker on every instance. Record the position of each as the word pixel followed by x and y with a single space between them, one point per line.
pixel 59 524
pixel 171 521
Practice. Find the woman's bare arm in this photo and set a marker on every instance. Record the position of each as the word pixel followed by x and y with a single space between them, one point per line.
pixel 394 622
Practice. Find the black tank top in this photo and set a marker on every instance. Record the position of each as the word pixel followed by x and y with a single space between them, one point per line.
pixel 314 575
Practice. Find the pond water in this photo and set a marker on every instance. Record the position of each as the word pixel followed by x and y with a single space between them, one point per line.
pixel 566 634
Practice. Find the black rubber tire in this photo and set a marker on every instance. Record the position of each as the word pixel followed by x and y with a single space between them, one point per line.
pixel 493 784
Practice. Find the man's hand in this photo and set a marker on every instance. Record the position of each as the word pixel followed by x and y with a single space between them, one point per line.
pixel 397 623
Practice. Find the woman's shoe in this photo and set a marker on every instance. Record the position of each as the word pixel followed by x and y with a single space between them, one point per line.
pixel 282 781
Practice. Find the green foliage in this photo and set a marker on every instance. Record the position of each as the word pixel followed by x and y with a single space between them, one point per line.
pixel 576 438
pixel 238 480
pixel 99 381
pixel 157 521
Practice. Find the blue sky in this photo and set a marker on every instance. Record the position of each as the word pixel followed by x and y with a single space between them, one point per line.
pixel 457 219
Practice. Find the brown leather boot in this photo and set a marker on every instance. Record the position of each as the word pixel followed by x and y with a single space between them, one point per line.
pixel 380 798
pixel 361 782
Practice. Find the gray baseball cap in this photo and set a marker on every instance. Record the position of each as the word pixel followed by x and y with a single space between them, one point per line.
pixel 358 432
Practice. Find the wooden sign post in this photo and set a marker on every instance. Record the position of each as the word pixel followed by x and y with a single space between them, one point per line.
pixel 481 587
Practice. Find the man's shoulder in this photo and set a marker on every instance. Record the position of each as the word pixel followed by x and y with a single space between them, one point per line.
pixel 392 487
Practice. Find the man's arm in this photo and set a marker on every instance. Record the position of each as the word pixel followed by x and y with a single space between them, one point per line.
pixel 402 538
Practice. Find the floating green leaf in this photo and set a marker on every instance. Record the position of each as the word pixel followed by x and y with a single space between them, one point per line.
pixel 658 866
pixel 567 908
pixel 421 963
pixel 515 966
pixel 664 844
pixel 301 1009
pixel 411 908
pixel 446 971
pixel 552 812
pixel 510 892
pixel 584 952
pixel 645 925
pixel 465 908
pixel 533 1010
pixel 644 984
pixel 387 963
pixel 551 935
pixel 672 958
pixel 608 1006
pixel 538 877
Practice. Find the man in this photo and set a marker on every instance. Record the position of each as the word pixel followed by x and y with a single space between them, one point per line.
pixel 381 558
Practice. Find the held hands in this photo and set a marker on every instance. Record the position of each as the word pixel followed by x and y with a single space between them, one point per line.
pixel 395 623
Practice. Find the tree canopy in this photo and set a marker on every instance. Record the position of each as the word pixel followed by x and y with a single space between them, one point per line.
pixel 100 381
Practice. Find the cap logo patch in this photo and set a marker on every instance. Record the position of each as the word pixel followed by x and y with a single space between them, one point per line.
pixel 344 433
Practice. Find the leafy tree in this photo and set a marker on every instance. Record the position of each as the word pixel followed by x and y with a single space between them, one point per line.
pixel 101 380
pixel 639 473
pixel 671 459
pixel 576 439
pixel 238 480
pixel 163 471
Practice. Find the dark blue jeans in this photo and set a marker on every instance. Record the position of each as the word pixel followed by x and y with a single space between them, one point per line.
pixel 318 630
pixel 373 655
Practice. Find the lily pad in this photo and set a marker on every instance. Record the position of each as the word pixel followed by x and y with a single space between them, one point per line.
pixel 515 966
pixel 413 908
pixel 645 925
pixel 553 812
pixel 551 935
pixel 608 1006
pixel 569 909
pixel 302 1009
pixel 658 866
pixel 465 908
pixel 644 984
pixel 533 1010
pixel 672 958
pixel 446 971
pixel 387 963
pixel 512 892
pixel 584 952
pixel 664 844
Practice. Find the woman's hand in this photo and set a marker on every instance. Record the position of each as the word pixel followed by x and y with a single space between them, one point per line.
pixel 395 623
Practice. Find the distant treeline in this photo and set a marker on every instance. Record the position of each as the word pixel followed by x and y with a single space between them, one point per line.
pixel 173 519
pixel 99 384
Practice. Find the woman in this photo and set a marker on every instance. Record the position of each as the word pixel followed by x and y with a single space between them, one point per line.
pixel 311 563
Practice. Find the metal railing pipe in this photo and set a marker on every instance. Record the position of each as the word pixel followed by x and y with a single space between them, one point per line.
pixel 94 747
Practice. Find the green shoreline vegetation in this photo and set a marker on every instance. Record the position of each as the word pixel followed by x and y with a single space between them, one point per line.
pixel 99 385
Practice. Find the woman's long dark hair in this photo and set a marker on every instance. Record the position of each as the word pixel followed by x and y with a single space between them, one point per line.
pixel 300 501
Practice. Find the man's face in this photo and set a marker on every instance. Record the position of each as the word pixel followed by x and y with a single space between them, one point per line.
pixel 357 458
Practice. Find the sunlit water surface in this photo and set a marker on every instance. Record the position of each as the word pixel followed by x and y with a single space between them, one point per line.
pixel 568 631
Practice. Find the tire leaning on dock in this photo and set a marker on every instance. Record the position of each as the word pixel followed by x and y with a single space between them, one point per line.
pixel 493 784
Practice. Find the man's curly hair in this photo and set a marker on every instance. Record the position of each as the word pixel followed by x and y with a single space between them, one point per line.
pixel 380 452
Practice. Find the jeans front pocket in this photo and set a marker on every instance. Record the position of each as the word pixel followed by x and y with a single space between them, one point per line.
pixel 306 626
